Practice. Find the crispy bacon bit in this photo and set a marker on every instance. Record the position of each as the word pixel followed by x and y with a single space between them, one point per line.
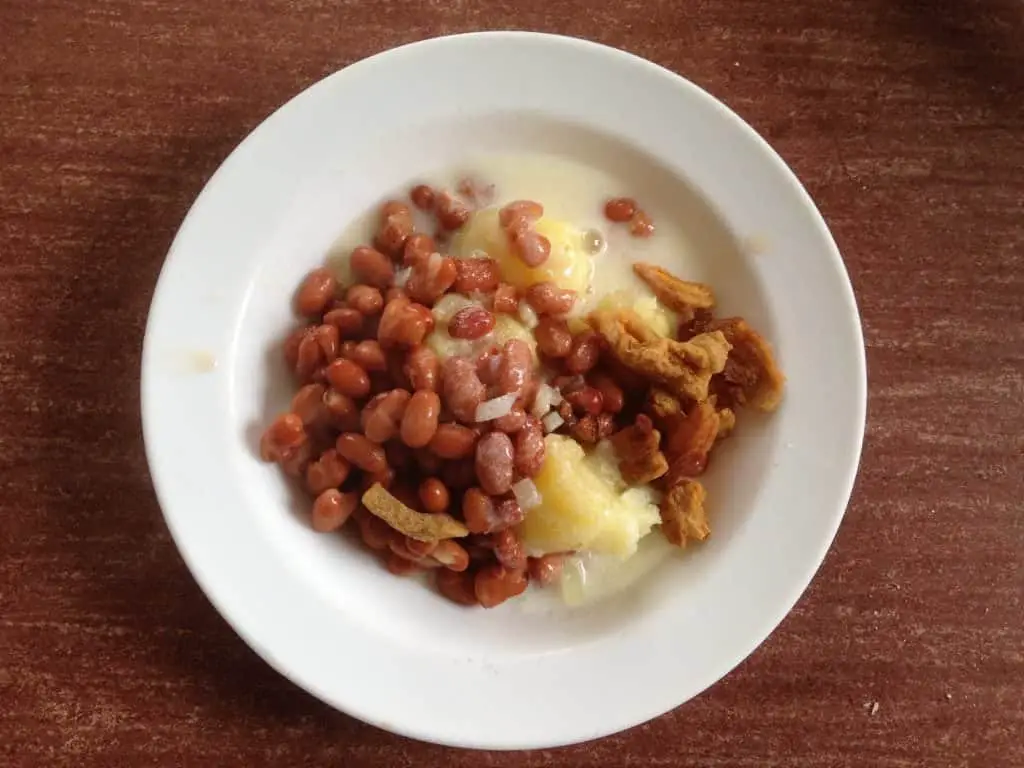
pixel 751 369
pixel 640 457
pixel 682 513
pixel 681 296
pixel 689 442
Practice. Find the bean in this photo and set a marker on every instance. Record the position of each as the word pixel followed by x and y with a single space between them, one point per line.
pixel 641 225
pixel 420 421
pixel 451 212
pixel 586 400
pixel 428 462
pixel 361 451
pixel 529 448
pixel 329 471
pixel 453 441
pixel 548 299
pixel 396 225
pixel 282 438
pixel 553 337
pixel 376 534
pixel 520 209
pixel 385 478
pixel 398 454
pixel 495 584
pixel 451 555
pixel 422 197
pixel 347 320
pixel 613 398
pixel 478 511
pixel 546 570
pixel 470 323
pixel 532 249
pixel 402 324
pixel 327 338
pixel 418 249
pixel 463 390
pixel 515 366
pixel 308 403
pixel 332 509
pixel 431 279
pixel 383 414
pixel 372 267
pixel 505 299
pixel 620 209
pixel 400 566
pixel 509 550
pixel 494 463
pixel 294 464
pixel 422 368
pixel 586 351
pixel 487 364
pixel 348 378
pixel 394 292
pixel 291 345
pixel 459 474
pixel 365 299
pixel 511 422
pixel 434 496
pixel 310 358
pixel 315 293
pixel 342 411
pixel 476 275
pixel 459 587
pixel 369 356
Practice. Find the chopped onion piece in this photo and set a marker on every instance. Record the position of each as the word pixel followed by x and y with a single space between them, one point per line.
pixel 496 407
pixel 543 400
pixel 526 494
pixel 528 315
pixel 433 265
pixel 552 421
pixel 402 277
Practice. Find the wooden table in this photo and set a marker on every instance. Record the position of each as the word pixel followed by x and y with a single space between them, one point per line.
pixel 904 118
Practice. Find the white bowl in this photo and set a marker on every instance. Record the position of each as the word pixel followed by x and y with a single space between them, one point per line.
pixel 388 650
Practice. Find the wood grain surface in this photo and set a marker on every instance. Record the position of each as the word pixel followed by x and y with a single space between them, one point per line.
pixel 904 118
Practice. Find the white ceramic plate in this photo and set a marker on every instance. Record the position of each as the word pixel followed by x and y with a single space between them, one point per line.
pixel 388 650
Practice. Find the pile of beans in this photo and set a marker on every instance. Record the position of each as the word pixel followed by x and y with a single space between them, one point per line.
pixel 376 404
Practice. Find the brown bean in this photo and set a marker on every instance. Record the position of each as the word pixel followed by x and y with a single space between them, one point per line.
pixel 546 570
pixel 402 324
pixel 376 534
pixel 586 351
pixel 548 299
pixel 529 448
pixel 348 378
pixel 476 275
pixel 418 249
pixel 453 441
pixel 451 555
pixel 463 390
pixel 369 356
pixel 328 339
pixel 592 429
pixel 310 358
pixel 509 549
pixel 385 478
pixel 505 299
pixel 620 209
pixel 494 463
pixel 332 509
pixel 360 450
pixel 365 299
pixel 419 548
pixel 372 267
pixel 295 463
pixel 400 566
pixel 282 438
pixel 451 212
pixel 347 320
pixel 342 411
pixel 383 415
pixel 329 471
pixel 495 584
pixel 434 496
pixel 394 292
pixel 511 422
pixel 315 293
pixel 520 209
pixel 308 403
pixel 420 421
pixel 515 366
pixel 553 337
pixel 478 511
pixel 422 368
pixel 586 400
pixel 431 279
pixel 396 225
pixel 459 587
pixel 641 225
pixel 470 323
pixel 291 345
pixel 422 197
pixel 531 248
pixel 613 398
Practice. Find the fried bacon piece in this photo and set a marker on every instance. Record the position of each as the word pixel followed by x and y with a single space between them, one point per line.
pixel 689 441
pixel 639 452
pixel 662 405
pixel 684 368
pixel 682 513
pixel 681 296
pixel 751 375
pixel 416 525
pixel 726 423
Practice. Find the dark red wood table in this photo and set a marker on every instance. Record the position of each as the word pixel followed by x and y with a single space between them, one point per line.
pixel 904 118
